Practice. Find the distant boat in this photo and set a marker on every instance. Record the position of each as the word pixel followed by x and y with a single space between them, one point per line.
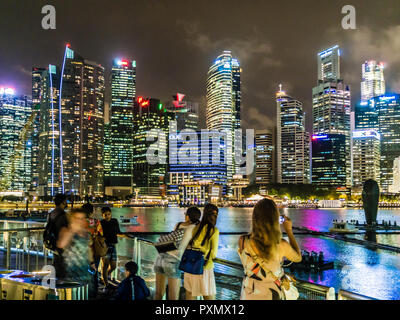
pixel 343 227
pixel 129 221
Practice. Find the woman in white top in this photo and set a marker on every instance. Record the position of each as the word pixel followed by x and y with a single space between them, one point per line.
pixel 262 252
pixel 167 264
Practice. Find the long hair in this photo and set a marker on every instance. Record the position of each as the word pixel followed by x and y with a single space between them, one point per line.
pixel 266 232
pixel 209 221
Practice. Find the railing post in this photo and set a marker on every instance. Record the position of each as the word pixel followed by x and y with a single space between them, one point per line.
pixel 8 253
pixel 330 295
pixel 29 252
pixel 139 259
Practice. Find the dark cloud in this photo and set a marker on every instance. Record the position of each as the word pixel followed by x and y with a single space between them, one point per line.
pixel 175 41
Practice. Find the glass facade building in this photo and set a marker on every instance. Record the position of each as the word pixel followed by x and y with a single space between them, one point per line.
pixel 186 113
pixel 373 80
pixel 224 100
pixel 293 142
pixel 123 93
pixel 72 128
pixel 366 157
pixel 331 101
pixel 329 160
pixel 149 114
pixel 203 161
pixel 382 114
pixel 264 154
pixel 15 172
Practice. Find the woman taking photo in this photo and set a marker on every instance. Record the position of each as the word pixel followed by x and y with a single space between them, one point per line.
pixel 166 265
pixel 262 253
pixel 205 239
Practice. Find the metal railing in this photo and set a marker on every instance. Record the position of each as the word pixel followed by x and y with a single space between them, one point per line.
pixel 21 246
pixel 347 295
pixel 23 249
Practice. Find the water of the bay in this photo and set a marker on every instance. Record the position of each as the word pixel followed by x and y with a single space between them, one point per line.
pixel 374 273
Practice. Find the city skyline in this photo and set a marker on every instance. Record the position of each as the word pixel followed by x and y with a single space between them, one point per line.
pixel 198 37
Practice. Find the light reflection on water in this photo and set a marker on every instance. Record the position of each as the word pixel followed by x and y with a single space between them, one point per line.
pixel 373 273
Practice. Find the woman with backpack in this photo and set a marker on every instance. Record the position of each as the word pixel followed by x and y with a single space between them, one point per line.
pixel 262 253
pixel 167 263
pixel 205 239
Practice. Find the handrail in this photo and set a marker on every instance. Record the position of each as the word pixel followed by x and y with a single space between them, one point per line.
pixel 22 229
pixel 347 295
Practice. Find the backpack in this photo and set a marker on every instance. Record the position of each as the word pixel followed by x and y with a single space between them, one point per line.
pixel 171 241
pixel 49 234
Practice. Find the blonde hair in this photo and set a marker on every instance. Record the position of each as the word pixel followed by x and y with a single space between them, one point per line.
pixel 266 232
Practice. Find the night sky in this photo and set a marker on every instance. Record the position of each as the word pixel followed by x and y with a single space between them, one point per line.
pixel 174 42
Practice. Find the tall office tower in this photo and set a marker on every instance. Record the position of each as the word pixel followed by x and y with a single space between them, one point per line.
pixel 50 181
pixel 195 171
pixel 107 151
pixel 37 78
pixel 15 158
pixel 373 81
pixel 293 142
pixel 329 160
pixel 395 187
pixel 123 93
pixel 82 120
pixel 366 157
pixel 329 64
pixel 186 112
pixel 72 124
pixel 149 114
pixel 264 157
pixel 383 115
pixel 332 106
pixel 223 101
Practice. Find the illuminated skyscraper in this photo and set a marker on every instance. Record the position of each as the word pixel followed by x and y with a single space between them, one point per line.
pixel 224 99
pixel 123 92
pixel 264 154
pixel 14 113
pixel 75 135
pixel 366 157
pixel 332 106
pixel 186 112
pixel 293 142
pixel 149 114
pixel 329 64
pixel 382 114
pixel 373 81
pixel 329 162
pixel 37 78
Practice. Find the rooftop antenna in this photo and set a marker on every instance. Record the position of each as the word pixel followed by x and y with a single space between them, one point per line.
pixel 280 87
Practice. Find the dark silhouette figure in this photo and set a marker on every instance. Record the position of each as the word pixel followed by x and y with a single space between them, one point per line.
pixel 370 197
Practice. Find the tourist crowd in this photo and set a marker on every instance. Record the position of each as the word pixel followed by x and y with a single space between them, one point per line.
pixel 83 244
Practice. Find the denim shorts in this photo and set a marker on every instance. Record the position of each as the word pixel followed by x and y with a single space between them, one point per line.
pixel 167 265
pixel 111 253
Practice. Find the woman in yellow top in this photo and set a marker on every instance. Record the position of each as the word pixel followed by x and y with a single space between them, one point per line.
pixel 205 238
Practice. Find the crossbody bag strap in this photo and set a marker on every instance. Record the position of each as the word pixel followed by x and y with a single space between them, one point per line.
pixel 260 262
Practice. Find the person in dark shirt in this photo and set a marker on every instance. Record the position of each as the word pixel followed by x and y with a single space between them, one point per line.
pixel 132 287
pixel 111 231
pixel 60 220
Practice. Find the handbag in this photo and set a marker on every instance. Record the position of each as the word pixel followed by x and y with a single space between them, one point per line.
pixel 192 262
pixel 99 246
pixel 289 289
pixel 171 241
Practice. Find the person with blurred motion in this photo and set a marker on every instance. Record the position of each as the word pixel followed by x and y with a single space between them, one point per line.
pixel 132 287
pixel 76 244
pixel 262 253
pixel 95 232
pixel 205 238
pixel 56 220
pixel 111 231
pixel 167 263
